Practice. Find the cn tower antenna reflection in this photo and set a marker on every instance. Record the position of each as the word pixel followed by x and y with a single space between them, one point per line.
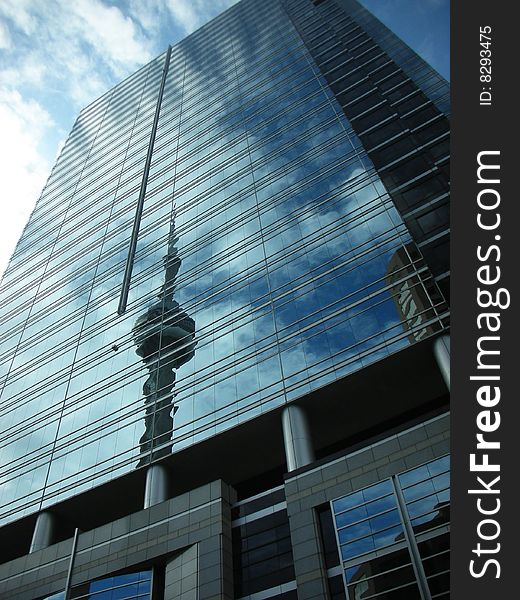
pixel 165 339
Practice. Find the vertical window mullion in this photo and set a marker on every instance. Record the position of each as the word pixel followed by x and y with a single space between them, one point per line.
pixel 417 565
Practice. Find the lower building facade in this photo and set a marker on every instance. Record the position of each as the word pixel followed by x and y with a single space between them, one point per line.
pixel 273 509
pixel 224 358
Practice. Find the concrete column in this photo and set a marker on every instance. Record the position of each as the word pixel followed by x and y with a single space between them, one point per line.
pixel 181 581
pixel 44 531
pixel 296 437
pixel 441 350
pixel 156 486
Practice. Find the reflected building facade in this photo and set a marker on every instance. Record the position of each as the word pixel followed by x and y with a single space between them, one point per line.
pixel 224 327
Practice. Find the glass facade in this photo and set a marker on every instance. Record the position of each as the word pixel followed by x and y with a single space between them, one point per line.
pixel 394 536
pixel 398 106
pixel 262 548
pixel 279 246
pixel 130 586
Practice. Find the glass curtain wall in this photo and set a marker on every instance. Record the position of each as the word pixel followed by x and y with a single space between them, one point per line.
pixel 270 261
pixel 393 536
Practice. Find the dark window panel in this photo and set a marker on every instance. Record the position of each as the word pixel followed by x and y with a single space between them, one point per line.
pixel 406 170
pixel 392 81
pixel 353 93
pixel 373 63
pixel 435 545
pixel 328 537
pixel 379 565
pixel 266 523
pixel 410 103
pixel 327 44
pixel 365 53
pixel 334 63
pixel 444 168
pixel 421 116
pixel 345 82
pixel 440 149
pixel 380 74
pixel 437 218
pixel 350 34
pixel 420 191
pixel 391 152
pixel 363 105
pixel 256 505
pixel 342 71
pixel 370 585
pixel 394 95
pixel 355 39
pixel 439 583
pixel 373 118
pixel 381 134
pixel 361 46
pixel 337 588
pixel 432 131
pixel 437 255
pixel 292 595
pixel 265 582
pixel 324 58
pixel 410 592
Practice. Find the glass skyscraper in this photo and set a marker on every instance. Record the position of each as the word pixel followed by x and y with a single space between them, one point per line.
pixel 223 324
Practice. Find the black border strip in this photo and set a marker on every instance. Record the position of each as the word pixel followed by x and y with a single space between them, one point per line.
pixel 484 129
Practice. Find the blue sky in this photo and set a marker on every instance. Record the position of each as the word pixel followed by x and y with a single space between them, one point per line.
pixel 56 56
pixel 422 24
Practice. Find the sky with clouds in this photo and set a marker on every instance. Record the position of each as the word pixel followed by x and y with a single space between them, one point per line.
pixel 57 56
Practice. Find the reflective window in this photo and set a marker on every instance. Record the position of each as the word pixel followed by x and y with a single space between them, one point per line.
pixel 272 257
pixel 376 528
pixel 262 553
pixel 130 586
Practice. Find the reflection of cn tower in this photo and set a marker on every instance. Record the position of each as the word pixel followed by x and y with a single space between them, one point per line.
pixel 164 337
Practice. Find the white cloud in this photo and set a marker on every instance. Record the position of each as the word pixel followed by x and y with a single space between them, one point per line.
pixel 29 71
pixel 5 37
pixel 53 51
pixel 191 14
pixel 184 12
pixel 59 56
pixel 17 11
pixel 85 43
pixel 149 16
pixel 110 33
pixel 23 170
